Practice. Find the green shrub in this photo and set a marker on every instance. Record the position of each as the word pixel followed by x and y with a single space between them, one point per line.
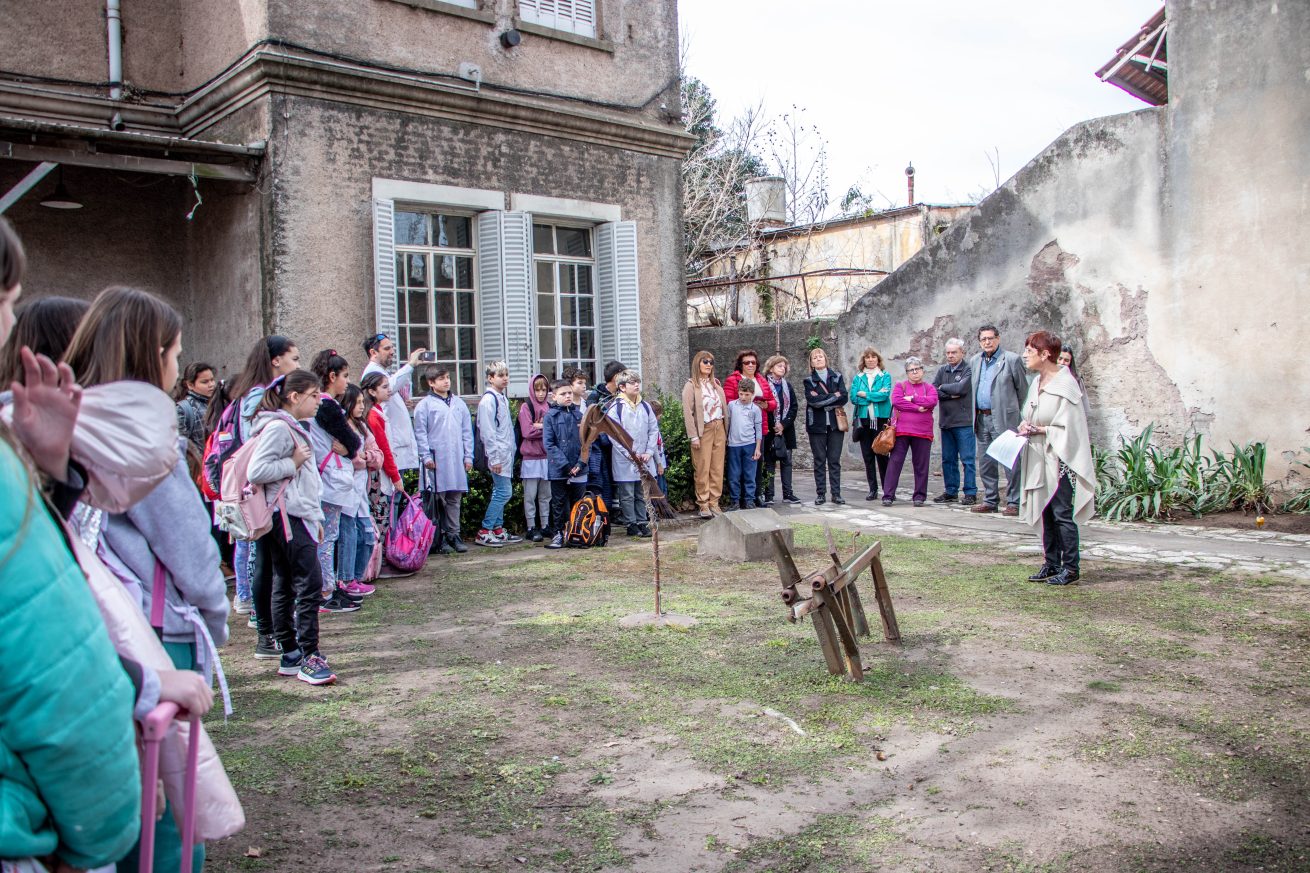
pixel 680 477
pixel 1299 499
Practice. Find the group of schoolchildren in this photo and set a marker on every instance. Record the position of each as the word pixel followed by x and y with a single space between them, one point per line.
pixel 548 444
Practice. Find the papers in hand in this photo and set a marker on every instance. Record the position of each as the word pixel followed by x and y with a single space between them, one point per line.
pixel 1006 448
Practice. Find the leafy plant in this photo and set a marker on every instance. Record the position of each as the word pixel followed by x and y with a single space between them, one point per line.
pixel 1299 501
pixel 680 477
pixel 1243 474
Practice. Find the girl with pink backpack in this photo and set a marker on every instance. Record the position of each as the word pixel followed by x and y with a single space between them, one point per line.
pixel 284 459
pixel 355 546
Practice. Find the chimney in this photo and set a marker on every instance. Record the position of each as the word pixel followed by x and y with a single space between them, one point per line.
pixel 909 182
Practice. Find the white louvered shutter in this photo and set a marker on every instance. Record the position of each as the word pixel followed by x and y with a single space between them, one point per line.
pixel 574 16
pixel 384 267
pixel 619 297
pixel 505 294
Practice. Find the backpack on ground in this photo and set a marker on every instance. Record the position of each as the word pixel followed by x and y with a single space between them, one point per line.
pixel 409 536
pixel 220 446
pixel 243 509
pixel 588 524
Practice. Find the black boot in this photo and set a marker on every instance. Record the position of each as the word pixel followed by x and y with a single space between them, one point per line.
pixel 456 543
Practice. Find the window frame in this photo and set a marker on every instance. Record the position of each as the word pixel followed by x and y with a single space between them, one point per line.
pixel 559 360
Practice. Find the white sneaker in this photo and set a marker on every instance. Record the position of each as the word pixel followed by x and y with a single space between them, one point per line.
pixel 506 538
pixel 242 607
pixel 487 538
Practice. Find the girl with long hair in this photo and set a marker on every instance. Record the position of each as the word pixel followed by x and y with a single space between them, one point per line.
pixel 192 394
pixel 283 463
pixel 355 545
pixel 335 446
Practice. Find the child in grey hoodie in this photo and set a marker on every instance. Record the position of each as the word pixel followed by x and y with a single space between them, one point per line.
pixel 284 454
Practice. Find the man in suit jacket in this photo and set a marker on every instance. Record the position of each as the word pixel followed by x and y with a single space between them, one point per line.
pixel 1000 384
pixel 776 370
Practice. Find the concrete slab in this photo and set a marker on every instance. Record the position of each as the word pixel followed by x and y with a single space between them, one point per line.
pixel 745 535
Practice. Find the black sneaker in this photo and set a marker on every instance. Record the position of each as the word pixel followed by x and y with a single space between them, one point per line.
pixel 820 500
pixel 633 530
pixel 267 648
pixel 643 531
pixel 290 663
pixel 792 499
pixel 338 603
pixel 439 545
pixel 557 542
pixel 457 544
pixel 346 595
pixel 968 500
pixel 315 670
pixel 838 500
pixel 944 498
pixel 536 535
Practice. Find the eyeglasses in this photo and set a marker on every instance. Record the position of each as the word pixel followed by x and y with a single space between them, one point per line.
pixel 914 369
pixel 709 361
pixel 750 363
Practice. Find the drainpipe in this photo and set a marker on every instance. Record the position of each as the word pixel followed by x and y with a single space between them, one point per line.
pixel 114 19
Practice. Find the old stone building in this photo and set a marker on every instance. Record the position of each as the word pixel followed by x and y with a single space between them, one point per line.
pixel 1169 246
pixel 484 178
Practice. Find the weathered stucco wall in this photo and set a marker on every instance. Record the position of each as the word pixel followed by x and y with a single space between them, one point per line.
pixel 1167 245
pixel 726 342
pixel 326 156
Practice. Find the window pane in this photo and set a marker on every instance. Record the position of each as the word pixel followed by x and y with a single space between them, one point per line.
pixel 568 311
pixel 546 343
pixel 570 343
pixel 468 343
pixel 418 270
pixel 545 309
pixel 574 241
pixel 586 312
pixel 545 277
pixel 464 308
pixel 468 379
pixel 400 307
pixel 446 343
pixel 550 370
pixel 413 229
pixel 445 272
pixel 418 308
pixel 567 279
pixel 419 338
pixel 587 344
pixel 582 278
pixel 445 307
pixel 463 272
pixel 543 239
pixel 454 231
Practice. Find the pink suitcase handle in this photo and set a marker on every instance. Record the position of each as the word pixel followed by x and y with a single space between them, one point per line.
pixel 153 731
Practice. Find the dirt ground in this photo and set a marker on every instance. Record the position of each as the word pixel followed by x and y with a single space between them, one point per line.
pixel 492 715
pixel 1282 522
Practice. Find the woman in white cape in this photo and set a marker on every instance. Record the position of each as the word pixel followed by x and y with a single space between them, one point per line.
pixel 1059 477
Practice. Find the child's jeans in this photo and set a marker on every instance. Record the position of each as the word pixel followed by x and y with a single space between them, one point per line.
pixel 632 502
pixel 501 490
pixel 741 475
pixel 354 539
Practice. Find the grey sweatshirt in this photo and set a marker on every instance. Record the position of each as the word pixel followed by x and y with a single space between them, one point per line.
pixel 745 424
pixel 271 465
pixel 171 526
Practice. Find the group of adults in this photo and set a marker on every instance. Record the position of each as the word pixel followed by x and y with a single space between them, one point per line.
pixel 971 402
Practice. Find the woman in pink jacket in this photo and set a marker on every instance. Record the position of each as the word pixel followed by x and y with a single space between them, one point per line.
pixel 912 404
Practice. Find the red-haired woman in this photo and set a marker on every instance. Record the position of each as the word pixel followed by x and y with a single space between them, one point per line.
pixel 1059 478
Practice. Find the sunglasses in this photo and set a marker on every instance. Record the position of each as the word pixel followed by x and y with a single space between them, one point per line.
pixel 709 361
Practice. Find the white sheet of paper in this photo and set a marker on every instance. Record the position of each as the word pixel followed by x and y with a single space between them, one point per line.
pixel 1006 448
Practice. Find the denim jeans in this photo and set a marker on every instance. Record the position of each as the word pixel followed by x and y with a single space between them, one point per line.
pixel 501 490
pixel 244 566
pixel 959 447
pixel 741 475
pixel 350 543
pixel 327 548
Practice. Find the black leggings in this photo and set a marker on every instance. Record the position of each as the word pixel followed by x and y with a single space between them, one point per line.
pixel 875 465
pixel 1059 530
pixel 296 584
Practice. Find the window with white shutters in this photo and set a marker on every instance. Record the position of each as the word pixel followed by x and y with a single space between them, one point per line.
pixel 572 16
pixel 565 299
pixel 618 296
pixel 384 267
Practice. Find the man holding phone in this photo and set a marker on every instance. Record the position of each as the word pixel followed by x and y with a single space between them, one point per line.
pixel 381 351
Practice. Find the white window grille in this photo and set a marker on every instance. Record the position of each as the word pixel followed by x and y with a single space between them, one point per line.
pixel 572 16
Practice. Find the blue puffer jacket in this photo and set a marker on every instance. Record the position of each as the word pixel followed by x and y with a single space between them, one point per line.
pixel 69 782
pixel 562 439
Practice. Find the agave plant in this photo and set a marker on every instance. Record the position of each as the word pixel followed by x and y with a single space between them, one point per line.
pixel 1243 474
pixel 1299 501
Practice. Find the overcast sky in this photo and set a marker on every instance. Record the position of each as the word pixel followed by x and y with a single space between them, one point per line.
pixel 939 83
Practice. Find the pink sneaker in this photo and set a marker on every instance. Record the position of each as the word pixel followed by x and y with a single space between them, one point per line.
pixel 359 589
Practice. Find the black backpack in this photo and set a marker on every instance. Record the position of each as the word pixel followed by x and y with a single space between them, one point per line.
pixel 480 453
pixel 588 524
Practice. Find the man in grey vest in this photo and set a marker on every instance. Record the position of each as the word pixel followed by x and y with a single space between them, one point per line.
pixel 1000 383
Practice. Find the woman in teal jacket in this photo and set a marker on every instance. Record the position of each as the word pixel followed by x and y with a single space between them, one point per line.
pixel 871 392
pixel 70 790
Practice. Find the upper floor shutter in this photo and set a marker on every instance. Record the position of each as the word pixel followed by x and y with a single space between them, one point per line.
pixel 505 294
pixel 574 16
pixel 384 267
pixel 618 294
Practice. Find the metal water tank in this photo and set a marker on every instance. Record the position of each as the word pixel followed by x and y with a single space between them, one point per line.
pixel 766 200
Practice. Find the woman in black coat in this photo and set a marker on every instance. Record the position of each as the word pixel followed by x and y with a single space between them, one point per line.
pixel 777 460
pixel 825 393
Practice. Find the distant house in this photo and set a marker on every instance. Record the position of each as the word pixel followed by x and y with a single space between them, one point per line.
pixel 811 270
pixel 483 178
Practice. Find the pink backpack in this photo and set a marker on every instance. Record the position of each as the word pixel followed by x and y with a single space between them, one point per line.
pixel 243 509
pixel 409 538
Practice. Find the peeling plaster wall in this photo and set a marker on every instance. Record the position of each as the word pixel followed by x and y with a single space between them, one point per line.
pixel 1168 245
pixel 325 157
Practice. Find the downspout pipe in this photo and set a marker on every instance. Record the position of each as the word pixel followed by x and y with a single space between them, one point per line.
pixel 114 19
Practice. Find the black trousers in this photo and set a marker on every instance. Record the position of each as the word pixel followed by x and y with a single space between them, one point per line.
pixel 1059 530
pixel 297 584
pixel 875 465
pixel 827 461
pixel 563 495
pixel 775 467
pixel 261 585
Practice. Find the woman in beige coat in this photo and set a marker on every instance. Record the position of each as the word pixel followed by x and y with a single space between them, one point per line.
pixel 704 408
pixel 1059 478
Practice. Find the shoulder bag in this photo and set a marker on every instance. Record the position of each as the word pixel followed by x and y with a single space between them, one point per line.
pixel 886 438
